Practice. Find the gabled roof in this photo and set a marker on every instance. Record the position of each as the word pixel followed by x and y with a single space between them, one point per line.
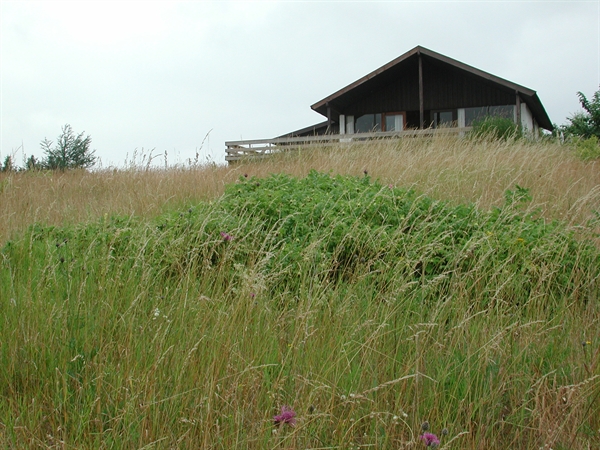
pixel 386 73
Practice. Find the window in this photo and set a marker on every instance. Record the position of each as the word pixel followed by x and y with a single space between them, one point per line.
pixel 368 123
pixel 474 114
pixel 393 121
pixel 506 111
pixel 440 119
pixel 379 122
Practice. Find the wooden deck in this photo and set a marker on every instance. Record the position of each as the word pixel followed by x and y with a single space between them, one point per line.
pixel 257 148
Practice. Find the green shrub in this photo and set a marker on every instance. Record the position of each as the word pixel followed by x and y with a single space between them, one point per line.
pixel 363 306
pixel 587 149
pixel 338 230
pixel 585 124
pixel 496 127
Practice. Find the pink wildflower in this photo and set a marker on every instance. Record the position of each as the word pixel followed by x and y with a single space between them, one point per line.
pixel 430 439
pixel 287 416
pixel 226 236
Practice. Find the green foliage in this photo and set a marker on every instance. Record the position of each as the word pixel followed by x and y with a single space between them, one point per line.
pixel 32 163
pixel 344 230
pixel 365 307
pixel 585 124
pixel 70 152
pixel 8 165
pixel 587 149
pixel 519 196
pixel 496 127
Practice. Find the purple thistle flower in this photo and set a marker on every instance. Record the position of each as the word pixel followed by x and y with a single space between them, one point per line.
pixel 430 440
pixel 287 416
pixel 226 236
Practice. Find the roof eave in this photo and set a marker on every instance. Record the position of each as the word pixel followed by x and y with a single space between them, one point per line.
pixel 323 103
pixel 305 130
pixel 529 94
pixel 320 105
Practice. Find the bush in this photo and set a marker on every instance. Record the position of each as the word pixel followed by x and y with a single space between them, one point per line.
pixel 585 123
pixel 496 127
pixel 587 149
pixel 327 293
pixel 336 231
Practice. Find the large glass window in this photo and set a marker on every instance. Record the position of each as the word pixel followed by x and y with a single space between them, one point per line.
pixel 368 123
pixel 474 114
pixel 506 111
pixel 394 122
pixel 444 118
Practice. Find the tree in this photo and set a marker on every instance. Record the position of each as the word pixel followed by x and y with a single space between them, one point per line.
pixel 8 165
pixel 70 151
pixel 32 163
pixel 585 123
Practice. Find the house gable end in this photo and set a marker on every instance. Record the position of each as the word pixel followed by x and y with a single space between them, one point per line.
pixel 447 84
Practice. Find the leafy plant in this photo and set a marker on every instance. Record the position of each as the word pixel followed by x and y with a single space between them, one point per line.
pixel 322 311
pixel 496 127
pixel 519 196
pixel 587 149
pixel 586 123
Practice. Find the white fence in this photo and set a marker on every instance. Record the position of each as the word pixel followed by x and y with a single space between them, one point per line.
pixel 237 150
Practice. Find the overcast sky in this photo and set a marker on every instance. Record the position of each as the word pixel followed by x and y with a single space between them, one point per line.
pixel 162 75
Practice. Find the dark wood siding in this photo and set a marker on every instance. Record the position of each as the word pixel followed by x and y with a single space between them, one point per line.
pixel 444 86
pixel 447 84
pixel 397 93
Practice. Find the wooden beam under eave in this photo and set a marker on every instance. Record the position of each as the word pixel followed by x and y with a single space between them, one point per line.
pixel 421 103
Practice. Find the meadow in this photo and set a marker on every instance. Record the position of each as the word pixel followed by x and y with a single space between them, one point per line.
pixel 352 297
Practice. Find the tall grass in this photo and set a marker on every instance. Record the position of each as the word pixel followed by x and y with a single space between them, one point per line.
pixel 446 168
pixel 162 309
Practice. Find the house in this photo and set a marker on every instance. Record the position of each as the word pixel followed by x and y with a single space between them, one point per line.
pixel 423 89
pixel 420 89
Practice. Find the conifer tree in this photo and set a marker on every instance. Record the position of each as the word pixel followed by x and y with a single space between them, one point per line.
pixel 70 152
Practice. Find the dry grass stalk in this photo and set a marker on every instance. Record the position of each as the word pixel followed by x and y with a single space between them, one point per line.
pixel 447 168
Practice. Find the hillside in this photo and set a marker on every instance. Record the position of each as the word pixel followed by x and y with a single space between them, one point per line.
pixel 350 298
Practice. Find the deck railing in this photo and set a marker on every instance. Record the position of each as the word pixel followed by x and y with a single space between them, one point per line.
pixel 236 150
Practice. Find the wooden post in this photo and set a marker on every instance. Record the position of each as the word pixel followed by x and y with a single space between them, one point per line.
pixel 328 118
pixel 421 103
pixel 518 107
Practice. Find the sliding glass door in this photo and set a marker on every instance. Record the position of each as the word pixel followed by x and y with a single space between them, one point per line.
pixel 394 121
pixel 368 123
